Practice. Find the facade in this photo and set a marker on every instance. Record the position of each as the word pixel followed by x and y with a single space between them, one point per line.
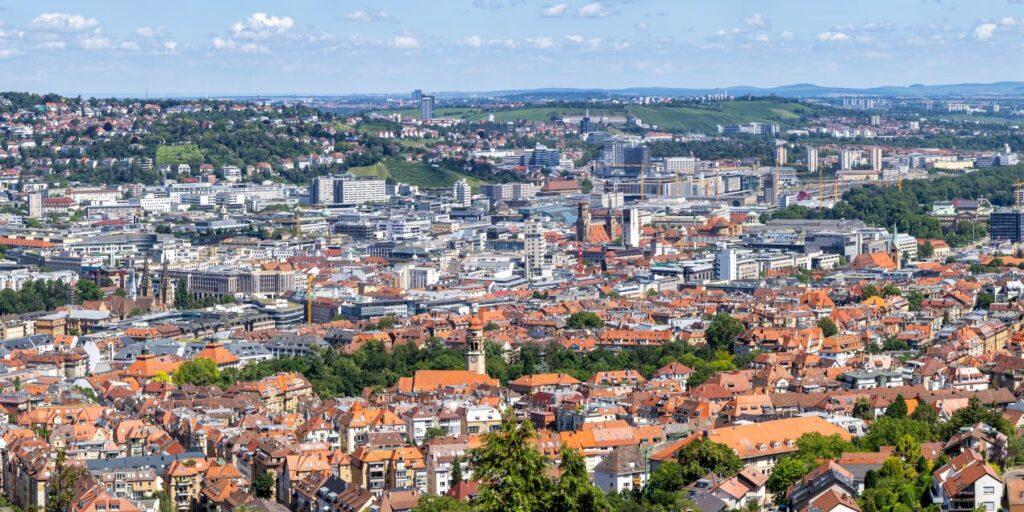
pixel 1007 224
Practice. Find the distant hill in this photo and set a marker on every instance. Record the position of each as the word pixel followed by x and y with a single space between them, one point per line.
pixel 789 91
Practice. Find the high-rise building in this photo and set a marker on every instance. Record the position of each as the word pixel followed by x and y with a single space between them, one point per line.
pixel 1007 224
pixel 350 191
pixel 781 156
pixel 417 94
pixel 582 221
pixel 631 227
pixel 462 193
pixel 321 190
pixel 535 247
pixel 875 156
pixel 585 127
pixel 427 107
pixel 35 205
pixel 624 157
pixel 846 160
pixel 876 120
pixel 812 159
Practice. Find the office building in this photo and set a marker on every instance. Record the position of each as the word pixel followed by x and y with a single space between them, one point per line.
pixel 463 194
pixel 812 159
pixel 631 227
pixel 781 156
pixel 680 165
pixel 352 192
pixel 535 247
pixel 509 191
pixel 321 190
pixel 426 107
pixel 417 94
pixel 624 158
pixel 417 277
pixel 1007 224
pixel 585 126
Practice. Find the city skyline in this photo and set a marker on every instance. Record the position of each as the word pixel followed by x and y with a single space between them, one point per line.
pixel 319 47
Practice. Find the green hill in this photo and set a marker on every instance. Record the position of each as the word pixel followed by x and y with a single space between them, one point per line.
pixel 696 118
pixel 415 173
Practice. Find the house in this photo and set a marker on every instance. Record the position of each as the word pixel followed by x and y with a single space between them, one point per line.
pixel 967 483
pixel 624 469
pixel 761 444
pixel 983 439
pixel 827 477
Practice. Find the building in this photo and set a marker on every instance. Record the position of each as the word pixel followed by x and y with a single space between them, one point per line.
pixel 354 192
pixel 426 107
pixel 535 248
pixel 781 156
pixel 875 158
pixel 321 190
pixel 680 165
pixel 631 227
pixel 967 483
pixel 624 158
pixel 35 205
pixel 475 357
pixel 846 158
pixel 417 277
pixel 1007 224
pixel 812 159
pixel 462 193
pixel 509 191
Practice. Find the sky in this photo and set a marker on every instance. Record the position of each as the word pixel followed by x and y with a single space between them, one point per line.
pixel 219 47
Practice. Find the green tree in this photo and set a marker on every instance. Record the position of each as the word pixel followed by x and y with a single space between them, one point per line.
pixel 584 320
pixel 984 300
pixel 87 290
pixel 166 504
pixel 200 372
pixel 868 291
pixel 663 492
pixel 511 471
pixel 432 503
pixel 705 456
pixel 263 485
pixel 456 471
pixel 926 250
pixel 862 409
pixel 61 485
pixel 828 327
pixel 897 408
pixel 574 492
pixel 723 331
pixel 811 449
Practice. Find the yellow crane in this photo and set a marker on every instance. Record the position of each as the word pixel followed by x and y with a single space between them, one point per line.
pixel 309 298
pixel 1018 193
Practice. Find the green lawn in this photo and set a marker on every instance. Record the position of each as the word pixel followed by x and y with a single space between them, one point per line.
pixel 415 173
pixel 179 154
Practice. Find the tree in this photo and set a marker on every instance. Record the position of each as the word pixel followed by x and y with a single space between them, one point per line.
pixel 431 503
pixel 705 456
pixel 723 331
pixel 926 250
pixel 664 490
pixel 456 471
pixel 87 290
pixel 61 485
pixel 984 300
pixel 828 327
pixel 584 320
pixel 166 504
pixel 811 449
pixel 433 433
pixel 897 409
pixel 868 291
pixel 200 372
pixel 183 299
pixel 263 485
pixel 862 409
pixel 511 471
pixel 574 492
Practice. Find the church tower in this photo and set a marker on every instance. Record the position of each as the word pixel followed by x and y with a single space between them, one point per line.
pixel 475 357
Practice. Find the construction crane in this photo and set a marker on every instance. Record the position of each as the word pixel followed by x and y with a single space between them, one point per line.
pixel 835 190
pixel 1018 193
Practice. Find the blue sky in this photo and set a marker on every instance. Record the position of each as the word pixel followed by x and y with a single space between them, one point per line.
pixel 348 46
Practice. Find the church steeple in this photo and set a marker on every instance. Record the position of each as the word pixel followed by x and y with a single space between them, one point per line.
pixel 475 356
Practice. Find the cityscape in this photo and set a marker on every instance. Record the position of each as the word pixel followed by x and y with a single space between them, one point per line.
pixel 509 255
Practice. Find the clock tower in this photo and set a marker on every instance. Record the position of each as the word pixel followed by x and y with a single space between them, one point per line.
pixel 475 340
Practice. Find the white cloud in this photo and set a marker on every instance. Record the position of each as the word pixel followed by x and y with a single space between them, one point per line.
pixel 641 26
pixel 261 26
pixel 592 10
pixel 473 42
pixel 223 44
pixel 1008 21
pixel 556 10
pixel 985 31
pixel 171 46
pixel 577 39
pixel 833 37
pixel 755 21
pixel 53 45
pixel 367 16
pixel 406 42
pixel 148 31
pixel 61 22
pixel 540 42
pixel 786 35
pixel 95 42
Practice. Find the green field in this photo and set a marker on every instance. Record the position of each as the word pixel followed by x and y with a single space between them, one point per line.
pixel 696 118
pixel 415 173
pixel 179 154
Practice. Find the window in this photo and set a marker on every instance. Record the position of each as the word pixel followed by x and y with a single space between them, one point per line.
pixel 989 505
pixel 989 490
